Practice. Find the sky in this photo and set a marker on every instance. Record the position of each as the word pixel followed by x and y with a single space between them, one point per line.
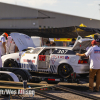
pixel 83 8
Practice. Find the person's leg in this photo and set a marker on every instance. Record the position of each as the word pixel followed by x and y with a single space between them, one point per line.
pixel 97 80
pixel 0 62
pixel 92 73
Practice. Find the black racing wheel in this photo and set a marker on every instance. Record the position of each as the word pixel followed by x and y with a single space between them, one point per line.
pixel 10 63
pixel 65 70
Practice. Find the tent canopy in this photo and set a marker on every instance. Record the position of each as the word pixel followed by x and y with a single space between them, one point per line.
pixel 63 32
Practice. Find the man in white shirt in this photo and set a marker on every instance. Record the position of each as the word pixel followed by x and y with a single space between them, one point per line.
pixel 0 60
pixel 2 43
pixel 94 55
pixel 10 46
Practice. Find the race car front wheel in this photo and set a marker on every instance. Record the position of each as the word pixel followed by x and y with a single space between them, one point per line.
pixel 10 63
pixel 65 70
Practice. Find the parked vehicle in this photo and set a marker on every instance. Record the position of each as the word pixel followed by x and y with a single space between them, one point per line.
pixel 54 60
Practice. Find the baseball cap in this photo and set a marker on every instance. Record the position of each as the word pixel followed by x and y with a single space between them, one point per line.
pixel 93 42
pixel 6 34
pixel 97 40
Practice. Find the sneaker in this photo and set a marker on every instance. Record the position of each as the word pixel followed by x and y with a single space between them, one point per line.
pixel 90 91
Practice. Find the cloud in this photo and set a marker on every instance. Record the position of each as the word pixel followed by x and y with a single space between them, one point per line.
pixel 42 2
pixel 76 2
pixel 93 3
pixel 31 2
pixel 90 4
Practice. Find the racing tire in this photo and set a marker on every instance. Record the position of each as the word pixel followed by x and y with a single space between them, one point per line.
pixel 64 70
pixel 6 77
pixel 10 63
pixel 21 75
pixel 83 75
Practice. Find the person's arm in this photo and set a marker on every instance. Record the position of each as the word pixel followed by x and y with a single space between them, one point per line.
pixel 4 45
pixel 87 53
pixel 16 48
pixel 80 54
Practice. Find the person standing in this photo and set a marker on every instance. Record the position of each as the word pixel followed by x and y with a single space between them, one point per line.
pixel 10 46
pixel 53 44
pixel 3 43
pixel 0 60
pixel 94 55
pixel 72 43
pixel 47 44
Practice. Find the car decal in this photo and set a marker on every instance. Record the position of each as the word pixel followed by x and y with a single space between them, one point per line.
pixel 53 59
pixel 27 60
pixel 66 57
pixel 28 66
pixel 52 68
pixel 62 57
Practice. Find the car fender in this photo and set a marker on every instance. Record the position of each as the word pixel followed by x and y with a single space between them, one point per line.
pixel 10 56
pixel 64 61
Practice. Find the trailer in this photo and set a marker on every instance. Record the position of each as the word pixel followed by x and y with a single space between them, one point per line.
pixel 9 76
pixel 34 77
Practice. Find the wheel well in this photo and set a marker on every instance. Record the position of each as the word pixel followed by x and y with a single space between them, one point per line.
pixel 62 64
pixel 10 60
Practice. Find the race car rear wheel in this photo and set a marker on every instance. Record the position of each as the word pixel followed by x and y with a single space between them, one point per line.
pixel 21 75
pixel 10 63
pixel 65 70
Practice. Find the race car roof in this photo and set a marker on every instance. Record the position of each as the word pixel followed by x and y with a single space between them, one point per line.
pixel 62 32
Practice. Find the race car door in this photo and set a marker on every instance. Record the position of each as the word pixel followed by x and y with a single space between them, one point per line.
pixel 44 59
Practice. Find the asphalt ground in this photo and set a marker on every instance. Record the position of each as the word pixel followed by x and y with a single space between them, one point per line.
pixel 82 88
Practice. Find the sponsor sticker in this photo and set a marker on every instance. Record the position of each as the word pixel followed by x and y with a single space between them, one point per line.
pixel 62 57
pixel 25 60
pixel 53 59
pixel 66 57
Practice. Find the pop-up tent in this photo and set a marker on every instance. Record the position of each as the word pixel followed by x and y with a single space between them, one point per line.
pixel 63 32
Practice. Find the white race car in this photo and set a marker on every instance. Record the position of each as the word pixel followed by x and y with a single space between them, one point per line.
pixel 55 60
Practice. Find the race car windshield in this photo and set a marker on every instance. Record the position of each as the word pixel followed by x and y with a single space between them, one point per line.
pixel 34 51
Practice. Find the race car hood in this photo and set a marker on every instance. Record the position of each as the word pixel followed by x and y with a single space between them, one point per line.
pixel 22 41
pixel 82 43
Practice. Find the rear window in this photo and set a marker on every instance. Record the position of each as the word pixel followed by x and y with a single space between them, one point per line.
pixel 63 51
pixel 34 51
